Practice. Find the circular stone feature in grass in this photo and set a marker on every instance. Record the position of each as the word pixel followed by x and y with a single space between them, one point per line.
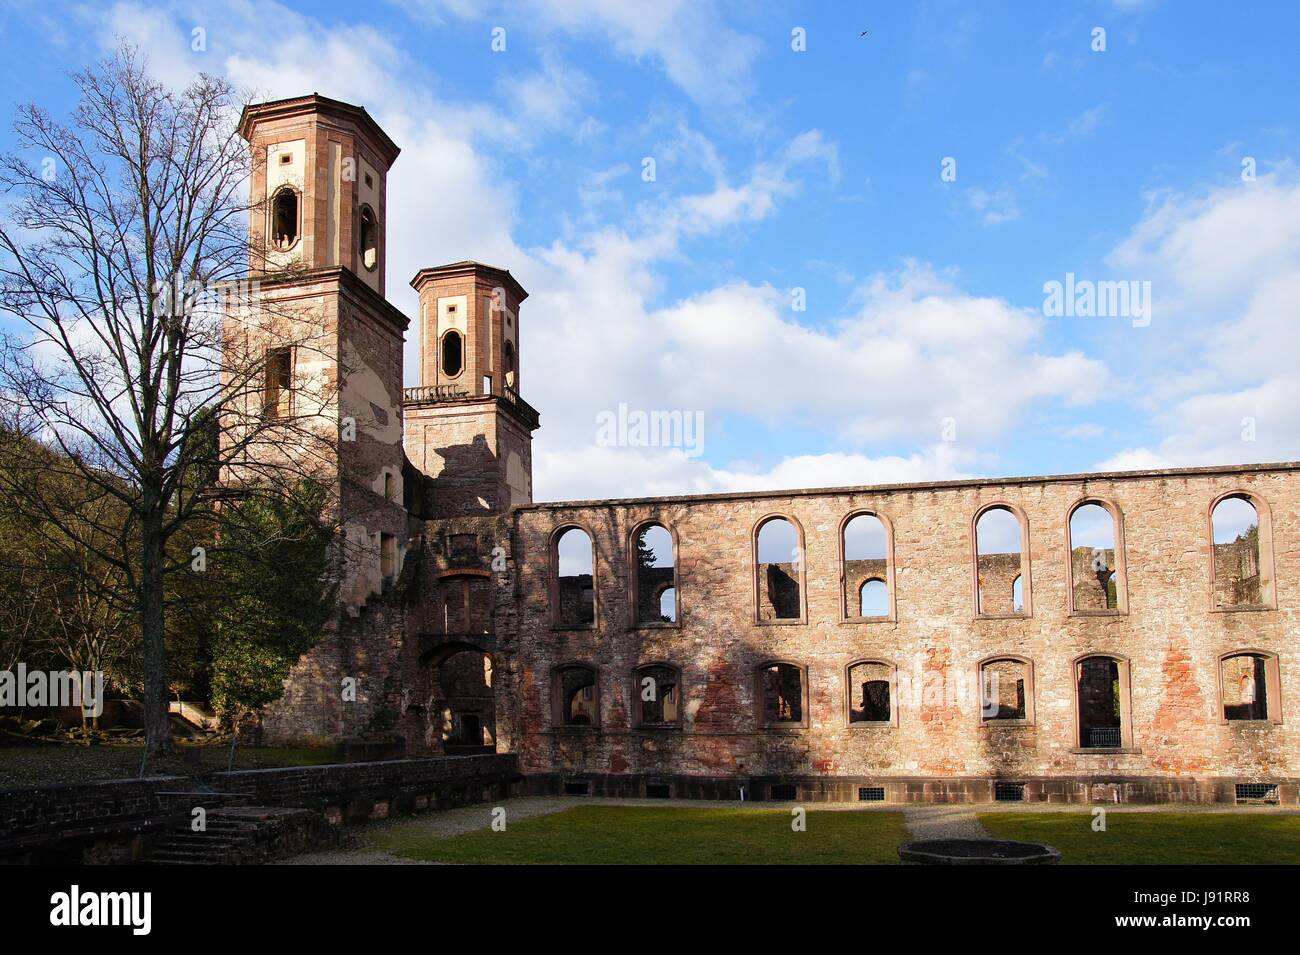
pixel 976 852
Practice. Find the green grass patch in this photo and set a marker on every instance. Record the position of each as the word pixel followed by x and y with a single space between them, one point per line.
pixel 1156 838
pixel 638 835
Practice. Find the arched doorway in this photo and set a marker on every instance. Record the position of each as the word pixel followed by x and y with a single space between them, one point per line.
pixel 460 715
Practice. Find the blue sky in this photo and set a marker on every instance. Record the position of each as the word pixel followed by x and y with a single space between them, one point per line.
pixel 924 350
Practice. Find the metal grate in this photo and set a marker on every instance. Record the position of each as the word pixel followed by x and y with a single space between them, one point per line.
pixel 1103 737
pixel 1265 793
pixel 658 791
pixel 577 788
pixel 782 791
pixel 871 794
pixel 1009 792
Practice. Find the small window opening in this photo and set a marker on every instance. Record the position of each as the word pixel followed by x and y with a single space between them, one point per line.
pixel 871 794
pixel 279 382
pixel 368 238
pixel 781 694
pixel 869 688
pixel 1009 792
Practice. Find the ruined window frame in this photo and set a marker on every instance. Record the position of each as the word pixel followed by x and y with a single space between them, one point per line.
pixel 639 722
pixel 892 722
pixel 1027 587
pixel 558 721
pixel 1267 568
pixel 634 578
pixel 1124 673
pixel 553 578
pixel 1121 562
pixel 1272 685
pixel 1030 712
pixel 892 615
pixel 787 726
pixel 803 573
pixel 271 408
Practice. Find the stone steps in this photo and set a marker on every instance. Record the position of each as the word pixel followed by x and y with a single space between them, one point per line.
pixel 241 835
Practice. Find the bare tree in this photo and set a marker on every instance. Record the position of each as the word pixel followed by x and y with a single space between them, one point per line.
pixel 125 255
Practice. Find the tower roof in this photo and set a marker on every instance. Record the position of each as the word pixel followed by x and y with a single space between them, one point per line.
pixel 323 105
pixel 466 268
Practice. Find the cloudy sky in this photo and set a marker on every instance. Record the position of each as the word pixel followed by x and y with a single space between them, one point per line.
pixel 839 263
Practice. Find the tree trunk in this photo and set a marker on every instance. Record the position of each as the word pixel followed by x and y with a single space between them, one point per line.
pixel 157 727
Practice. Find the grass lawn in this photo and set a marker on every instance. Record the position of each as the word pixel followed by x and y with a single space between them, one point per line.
pixel 1156 838
pixel 615 835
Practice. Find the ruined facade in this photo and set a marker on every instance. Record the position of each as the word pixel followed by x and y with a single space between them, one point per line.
pixel 901 642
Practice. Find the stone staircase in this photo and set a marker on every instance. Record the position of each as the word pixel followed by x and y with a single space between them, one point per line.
pixel 242 835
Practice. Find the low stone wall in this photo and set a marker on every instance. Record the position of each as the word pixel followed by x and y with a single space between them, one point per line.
pixel 113 820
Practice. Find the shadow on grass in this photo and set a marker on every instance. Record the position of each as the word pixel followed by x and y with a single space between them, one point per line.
pixel 1151 838
pixel 635 835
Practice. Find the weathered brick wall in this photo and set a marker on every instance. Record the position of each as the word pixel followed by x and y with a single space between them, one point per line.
pixel 1170 635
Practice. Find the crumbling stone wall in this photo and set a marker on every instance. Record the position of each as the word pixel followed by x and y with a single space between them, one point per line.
pixel 1170 636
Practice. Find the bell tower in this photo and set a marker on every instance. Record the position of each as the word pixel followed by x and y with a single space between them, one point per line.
pixel 319 187
pixel 467 426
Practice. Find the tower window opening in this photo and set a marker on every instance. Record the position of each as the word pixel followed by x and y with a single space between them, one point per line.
pixel 452 354
pixel 284 219
pixel 279 383
pixel 368 239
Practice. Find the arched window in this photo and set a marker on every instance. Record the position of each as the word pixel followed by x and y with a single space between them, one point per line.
pixel 509 351
pixel 1006 690
pixel 1102 702
pixel 1093 540
pixel 657 695
pixel 1249 686
pixel 781 693
pixel 573 581
pixel 368 238
pixel 453 354
pixel 865 570
pixel 1002 586
pixel 654 576
pixel 870 686
pixel 575 696
pixel 285 220
pixel 1242 563
pixel 779 571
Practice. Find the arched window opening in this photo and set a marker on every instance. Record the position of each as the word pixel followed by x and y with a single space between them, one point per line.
pixel 870 689
pixel 575 700
pixel 284 219
pixel 1237 578
pixel 511 375
pixel 866 568
pixel 574 583
pixel 655 580
pixel 781 694
pixel 1248 686
pixel 779 571
pixel 453 354
pixel 1093 558
pixel 1006 690
pixel 999 563
pixel 1102 699
pixel 657 695
pixel 368 238
pixel 873 598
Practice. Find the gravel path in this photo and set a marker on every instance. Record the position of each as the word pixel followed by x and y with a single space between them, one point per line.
pixel 943 822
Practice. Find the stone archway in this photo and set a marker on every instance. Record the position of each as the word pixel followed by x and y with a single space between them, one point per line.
pixel 460 707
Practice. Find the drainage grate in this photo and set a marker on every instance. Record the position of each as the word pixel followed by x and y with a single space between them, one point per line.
pixel 871 794
pixel 1009 792
pixel 1260 793
pixel 658 791
pixel 782 791
pixel 577 788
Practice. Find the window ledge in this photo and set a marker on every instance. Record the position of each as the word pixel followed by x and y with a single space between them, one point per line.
pixel 854 620
pixel 1003 616
pixel 658 727
pixel 655 626
pixel 872 725
pixel 575 730
pixel 573 626
pixel 783 622
pixel 1098 613
pixel 783 728
pixel 1009 724
pixel 1244 608
pixel 1107 751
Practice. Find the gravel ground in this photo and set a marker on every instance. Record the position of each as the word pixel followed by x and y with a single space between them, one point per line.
pixel 943 822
